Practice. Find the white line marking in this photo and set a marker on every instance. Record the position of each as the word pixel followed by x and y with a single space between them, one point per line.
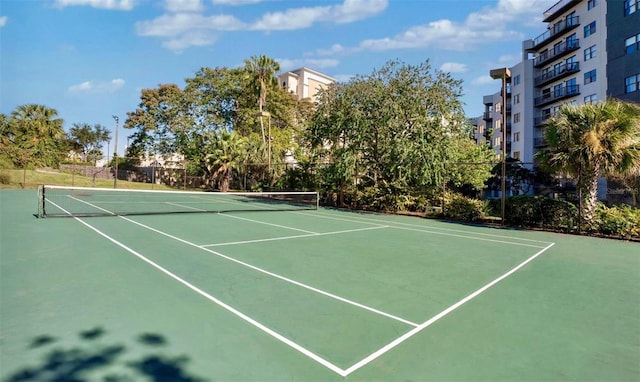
pixel 467 237
pixel 286 279
pixel 440 315
pixel 187 207
pixel 206 295
pixel 271 224
pixel 293 237
pixel 391 224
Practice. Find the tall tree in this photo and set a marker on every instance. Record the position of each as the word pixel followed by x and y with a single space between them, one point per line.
pixel 36 134
pixel 392 129
pixel 592 140
pixel 87 139
pixel 262 70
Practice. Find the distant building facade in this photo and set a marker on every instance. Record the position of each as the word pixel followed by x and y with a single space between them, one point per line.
pixel 305 83
pixel 589 51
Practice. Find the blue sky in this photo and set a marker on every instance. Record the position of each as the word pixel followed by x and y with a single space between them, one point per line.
pixel 89 59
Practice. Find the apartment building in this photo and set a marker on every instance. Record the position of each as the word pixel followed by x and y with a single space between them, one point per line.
pixel 589 51
pixel 305 83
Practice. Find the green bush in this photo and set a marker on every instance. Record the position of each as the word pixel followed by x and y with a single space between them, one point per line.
pixel 458 207
pixel 621 221
pixel 541 212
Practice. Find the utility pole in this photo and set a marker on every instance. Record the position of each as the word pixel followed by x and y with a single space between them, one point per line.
pixel 503 74
pixel 115 154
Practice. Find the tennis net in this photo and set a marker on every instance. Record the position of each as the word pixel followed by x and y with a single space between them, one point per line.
pixel 87 201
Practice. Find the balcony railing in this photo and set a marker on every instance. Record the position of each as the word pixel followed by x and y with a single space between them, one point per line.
pixel 557 9
pixel 539 142
pixel 539 121
pixel 559 72
pixel 557 94
pixel 487 116
pixel 557 51
pixel 568 24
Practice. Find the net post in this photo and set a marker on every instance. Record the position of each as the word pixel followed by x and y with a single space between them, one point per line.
pixel 317 200
pixel 41 211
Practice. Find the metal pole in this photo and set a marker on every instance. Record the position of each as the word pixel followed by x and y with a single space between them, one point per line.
pixel 269 147
pixel 115 154
pixel 504 147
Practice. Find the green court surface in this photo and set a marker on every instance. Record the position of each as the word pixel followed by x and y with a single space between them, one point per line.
pixel 320 295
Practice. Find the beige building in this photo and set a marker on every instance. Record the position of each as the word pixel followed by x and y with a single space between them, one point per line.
pixel 305 83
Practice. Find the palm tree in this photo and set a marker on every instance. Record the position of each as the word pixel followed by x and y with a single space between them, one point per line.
pixel 592 140
pixel 262 70
pixel 227 153
pixel 40 133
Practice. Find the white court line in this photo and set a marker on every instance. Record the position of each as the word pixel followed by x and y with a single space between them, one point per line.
pixel 286 279
pixel 378 353
pixel 440 315
pixel 251 220
pixel 293 237
pixel 427 228
pixel 220 303
pixel 271 224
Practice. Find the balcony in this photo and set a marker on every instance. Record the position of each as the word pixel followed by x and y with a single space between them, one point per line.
pixel 556 52
pixel 560 72
pixel 539 121
pixel 557 94
pixel 539 142
pixel 487 116
pixel 557 9
pixel 558 29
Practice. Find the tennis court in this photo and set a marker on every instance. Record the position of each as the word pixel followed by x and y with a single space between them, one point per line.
pixel 270 293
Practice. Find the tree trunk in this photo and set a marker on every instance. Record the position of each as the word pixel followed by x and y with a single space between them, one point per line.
pixel 589 185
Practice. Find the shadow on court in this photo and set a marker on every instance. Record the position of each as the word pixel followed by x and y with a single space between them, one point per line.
pixel 96 357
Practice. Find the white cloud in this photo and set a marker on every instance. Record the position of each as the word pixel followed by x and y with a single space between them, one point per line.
pixel 184 28
pixel 290 64
pixel 97 86
pixel 3 20
pixel 236 2
pixel 488 25
pixel 299 18
pixel 121 5
pixel 183 5
pixel 334 49
pixel 454 67
pixel 177 24
pixel 483 80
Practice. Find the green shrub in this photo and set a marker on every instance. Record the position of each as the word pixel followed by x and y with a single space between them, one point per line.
pixel 621 221
pixel 458 207
pixel 541 212
pixel 5 178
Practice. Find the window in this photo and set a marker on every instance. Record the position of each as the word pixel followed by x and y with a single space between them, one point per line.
pixel 590 53
pixel 590 76
pixel 516 118
pixel 630 6
pixel 632 44
pixel 632 83
pixel 516 155
pixel 590 98
pixel 591 4
pixel 516 99
pixel 516 136
pixel 590 29
pixel 516 80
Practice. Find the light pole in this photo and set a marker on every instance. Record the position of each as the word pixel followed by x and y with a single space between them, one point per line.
pixel 115 154
pixel 503 74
